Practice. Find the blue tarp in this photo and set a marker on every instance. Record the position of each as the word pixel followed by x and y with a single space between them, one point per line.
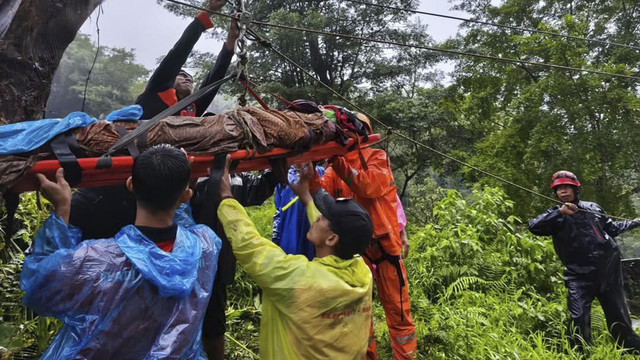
pixel 290 225
pixel 26 136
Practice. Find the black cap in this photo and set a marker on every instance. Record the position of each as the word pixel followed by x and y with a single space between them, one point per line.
pixel 349 220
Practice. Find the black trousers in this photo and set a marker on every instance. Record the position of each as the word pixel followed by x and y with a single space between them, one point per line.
pixel 607 287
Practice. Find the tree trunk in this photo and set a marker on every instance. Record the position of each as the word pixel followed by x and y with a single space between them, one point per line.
pixel 31 49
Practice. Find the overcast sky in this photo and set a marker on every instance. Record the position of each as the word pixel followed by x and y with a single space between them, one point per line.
pixel 149 29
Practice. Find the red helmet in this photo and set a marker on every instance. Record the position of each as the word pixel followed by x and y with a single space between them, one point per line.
pixel 563 177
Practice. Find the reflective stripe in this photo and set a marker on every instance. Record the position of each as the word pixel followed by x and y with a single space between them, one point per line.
pixel 405 339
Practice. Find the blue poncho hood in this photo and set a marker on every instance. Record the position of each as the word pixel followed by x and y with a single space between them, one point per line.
pixel 175 272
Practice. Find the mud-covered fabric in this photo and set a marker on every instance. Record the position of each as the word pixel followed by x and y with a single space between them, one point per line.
pixel 248 127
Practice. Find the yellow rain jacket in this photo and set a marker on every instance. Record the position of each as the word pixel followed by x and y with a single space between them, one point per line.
pixel 318 309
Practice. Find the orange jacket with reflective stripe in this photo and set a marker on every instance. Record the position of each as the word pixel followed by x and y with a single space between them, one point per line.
pixel 373 188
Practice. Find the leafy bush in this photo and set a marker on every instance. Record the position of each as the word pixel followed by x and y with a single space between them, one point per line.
pixel 482 287
pixel 22 333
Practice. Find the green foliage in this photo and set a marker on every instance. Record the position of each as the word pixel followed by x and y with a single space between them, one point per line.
pixel 422 116
pixel 22 332
pixel 345 65
pixel 536 121
pixel 115 82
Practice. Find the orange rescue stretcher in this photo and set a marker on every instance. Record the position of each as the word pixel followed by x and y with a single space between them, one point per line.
pixel 249 160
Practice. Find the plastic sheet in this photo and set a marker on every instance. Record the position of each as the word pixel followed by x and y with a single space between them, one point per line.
pixel 122 298
pixel 129 113
pixel 290 224
pixel 25 136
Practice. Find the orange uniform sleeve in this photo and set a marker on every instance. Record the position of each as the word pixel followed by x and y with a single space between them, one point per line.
pixel 371 183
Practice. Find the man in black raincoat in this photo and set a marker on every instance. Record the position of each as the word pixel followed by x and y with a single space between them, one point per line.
pixel 583 239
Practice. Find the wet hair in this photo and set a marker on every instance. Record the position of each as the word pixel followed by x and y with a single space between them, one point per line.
pixel 348 247
pixel 160 175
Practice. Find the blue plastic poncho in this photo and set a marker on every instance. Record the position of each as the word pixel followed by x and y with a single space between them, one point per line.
pixel 290 224
pixel 122 298
pixel 129 113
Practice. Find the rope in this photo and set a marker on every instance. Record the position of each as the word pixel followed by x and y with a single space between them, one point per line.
pixel 146 126
pixel 268 45
pixel 447 51
pixel 95 58
pixel 423 47
pixel 418 143
pixel 241 345
pixel 534 31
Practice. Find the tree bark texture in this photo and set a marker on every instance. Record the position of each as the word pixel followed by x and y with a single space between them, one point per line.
pixel 31 47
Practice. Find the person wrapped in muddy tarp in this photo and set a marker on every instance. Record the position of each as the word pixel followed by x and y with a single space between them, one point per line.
pixel 23 144
pixel 583 240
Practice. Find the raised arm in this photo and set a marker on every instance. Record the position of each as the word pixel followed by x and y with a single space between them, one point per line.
pixel 58 273
pixel 263 260
pixel 220 68
pixel 164 76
